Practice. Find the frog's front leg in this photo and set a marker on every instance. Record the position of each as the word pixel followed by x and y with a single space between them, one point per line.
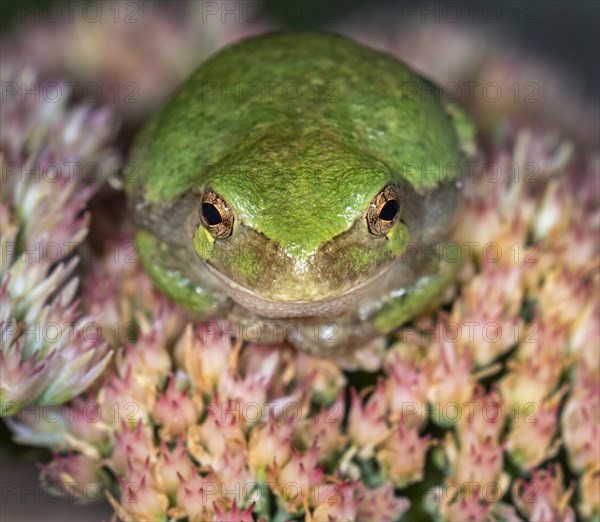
pixel 166 267
pixel 401 302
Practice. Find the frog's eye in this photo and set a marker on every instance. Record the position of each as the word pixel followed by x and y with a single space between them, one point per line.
pixel 384 211
pixel 216 215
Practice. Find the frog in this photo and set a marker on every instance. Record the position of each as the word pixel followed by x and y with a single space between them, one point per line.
pixel 298 185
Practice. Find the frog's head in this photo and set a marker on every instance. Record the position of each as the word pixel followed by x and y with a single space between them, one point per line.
pixel 305 203
pixel 301 224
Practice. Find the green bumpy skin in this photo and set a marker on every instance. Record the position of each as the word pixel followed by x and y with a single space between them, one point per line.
pixel 298 133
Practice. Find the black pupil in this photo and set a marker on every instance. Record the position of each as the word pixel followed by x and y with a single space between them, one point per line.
pixel 389 210
pixel 211 214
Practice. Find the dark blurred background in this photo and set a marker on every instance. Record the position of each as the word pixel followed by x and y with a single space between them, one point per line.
pixel 565 33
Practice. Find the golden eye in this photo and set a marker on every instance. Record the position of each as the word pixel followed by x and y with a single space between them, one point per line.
pixel 216 215
pixel 384 211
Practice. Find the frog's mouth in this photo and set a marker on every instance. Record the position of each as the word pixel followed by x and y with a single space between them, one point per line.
pixel 279 308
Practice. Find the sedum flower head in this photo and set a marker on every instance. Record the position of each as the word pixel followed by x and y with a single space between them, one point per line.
pixel 544 497
pixel 380 503
pixel 54 158
pixel 269 446
pixel 326 427
pixel 532 440
pixel 340 503
pixel 133 447
pixel 581 428
pixel 174 466
pixel 141 495
pixel 297 481
pixel 196 496
pixel 402 456
pixel 175 411
pixel 589 503
pixel 367 426
pixel 234 514
pixel 76 477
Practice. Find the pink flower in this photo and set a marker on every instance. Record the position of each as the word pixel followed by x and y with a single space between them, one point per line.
pixel 381 504
pixel 234 514
pixel 564 294
pixel 45 147
pixel 449 373
pixel 469 506
pixel 235 478
pixel 22 379
pixel 584 337
pixel 148 358
pixel 531 439
pixel 338 502
pixel 475 460
pixel 480 220
pixel 297 479
pixel 133 446
pixel 589 503
pixel 581 428
pixel 538 363
pixel 544 498
pixel 487 313
pixel 250 391
pixel 324 427
pixel 402 456
pixel 208 441
pixel 482 417
pixel 406 389
pixel 175 411
pixel 77 477
pixel 141 497
pixel 173 466
pixel 85 430
pixel 366 424
pixel 269 445
pixel 196 497
pixel 207 351
pixel 126 398
pixel 325 377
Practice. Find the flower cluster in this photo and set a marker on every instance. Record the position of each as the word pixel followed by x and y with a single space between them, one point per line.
pixel 53 160
pixel 486 410
pixel 194 425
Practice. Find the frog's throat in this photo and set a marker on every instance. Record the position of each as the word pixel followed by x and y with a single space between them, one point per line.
pixel 333 305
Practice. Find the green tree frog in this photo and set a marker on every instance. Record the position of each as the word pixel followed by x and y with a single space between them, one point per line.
pixel 294 185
